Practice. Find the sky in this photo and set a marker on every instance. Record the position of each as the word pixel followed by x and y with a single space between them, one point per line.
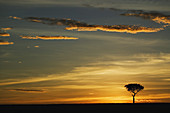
pixel 84 51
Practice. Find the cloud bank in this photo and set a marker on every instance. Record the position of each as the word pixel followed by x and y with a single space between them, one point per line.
pixel 81 26
pixel 49 37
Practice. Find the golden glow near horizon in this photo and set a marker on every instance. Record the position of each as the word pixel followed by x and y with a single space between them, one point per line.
pixel 97 83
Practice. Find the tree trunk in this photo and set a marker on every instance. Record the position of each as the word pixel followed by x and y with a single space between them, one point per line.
pixel 133 99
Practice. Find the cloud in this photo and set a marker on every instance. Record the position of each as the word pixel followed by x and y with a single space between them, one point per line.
pixel 167 79
pixel 158 96
pixel 35 20
pixel 81 26
pixel 31 80
pixel 5 42
pixel 4 34
pixel 144 64
pixel 7 28
pixel 117 28
pixel 137 60
pixel 50 37
pixel 28 90
pixel 36 46
pixel 151 5
pixel 157 100
pixel 154 16
pixel 14 17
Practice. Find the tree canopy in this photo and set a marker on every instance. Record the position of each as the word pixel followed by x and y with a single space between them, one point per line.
pixel 134 89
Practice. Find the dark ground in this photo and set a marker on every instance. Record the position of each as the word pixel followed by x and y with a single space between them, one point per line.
pixel 88 108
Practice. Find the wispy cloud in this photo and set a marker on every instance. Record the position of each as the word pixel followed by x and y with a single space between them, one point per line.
pixel 5 42
pixel 82 26
pixel 28 80
pixel 28 90
pixel 50 37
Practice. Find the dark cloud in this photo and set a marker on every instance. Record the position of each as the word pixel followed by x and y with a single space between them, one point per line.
pixel 28 90
pixel 82 26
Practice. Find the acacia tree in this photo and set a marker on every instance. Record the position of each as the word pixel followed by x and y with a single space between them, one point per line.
pixel 134 89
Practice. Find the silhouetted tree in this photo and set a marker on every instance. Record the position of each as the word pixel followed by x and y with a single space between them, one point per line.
pixel 134 89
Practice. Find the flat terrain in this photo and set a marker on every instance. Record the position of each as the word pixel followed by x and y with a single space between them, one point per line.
pixel 87 108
